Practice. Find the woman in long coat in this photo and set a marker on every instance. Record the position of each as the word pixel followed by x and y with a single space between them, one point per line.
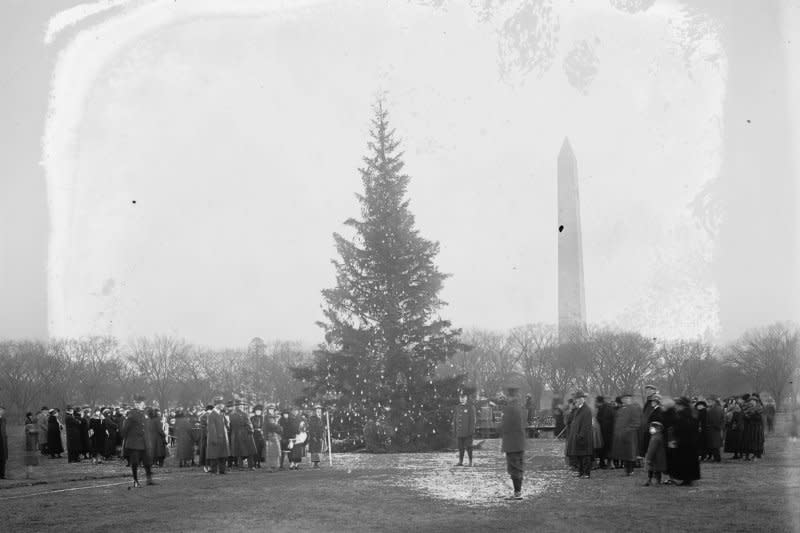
pixel 316 431
pixel 156 438
pixel 112 430
pixel 184 440
pixel 98 436
pixel 627 424
pixel 734 424
pixel 272 440
pixel 31 444
pixel 55 447
pixel 683 463
pixel 753 434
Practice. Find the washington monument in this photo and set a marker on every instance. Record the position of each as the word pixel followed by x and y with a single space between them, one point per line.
pixel 571 303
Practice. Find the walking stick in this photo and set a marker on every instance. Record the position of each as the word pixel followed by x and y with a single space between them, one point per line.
pixel 330 455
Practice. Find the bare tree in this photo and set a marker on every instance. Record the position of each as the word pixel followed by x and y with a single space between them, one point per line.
pixel 533 346
pixel 768 357
pixel 622 360
pixel 162 363
pixel 687 367
pixel 494 359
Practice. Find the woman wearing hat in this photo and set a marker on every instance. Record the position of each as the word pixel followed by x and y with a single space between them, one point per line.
pixel 242 443
pixel 683 463
pixel 257 420
pixel 316 430
pixel 272 439
pixel 31 444
pixel 55 447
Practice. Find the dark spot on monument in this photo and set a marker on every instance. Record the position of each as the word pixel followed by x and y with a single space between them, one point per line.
pixel 561 228
pixel 134 201
pixel 748 121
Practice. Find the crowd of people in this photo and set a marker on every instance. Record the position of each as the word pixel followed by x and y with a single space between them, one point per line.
pixel 669 437
pixel 221 436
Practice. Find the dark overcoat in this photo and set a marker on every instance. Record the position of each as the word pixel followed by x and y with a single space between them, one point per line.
pixel 55 445
pixel 86 444
pixel 156 439
pixel 98 437
pixel 464 418
pixel 242 443
pixel 184 440
pixel 133 431
pixel 753 431
pixel 656 456
pixel 316 430
pixel 217 445
pixel 605 417
pixel 3 441
pixel 684 463
pixel 715 420
pixel 655 414
pixel 581 439
pixel 512 427
pixel 626 433
pixel 74 444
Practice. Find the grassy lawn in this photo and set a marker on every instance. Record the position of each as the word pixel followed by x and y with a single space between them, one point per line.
pixel 406 492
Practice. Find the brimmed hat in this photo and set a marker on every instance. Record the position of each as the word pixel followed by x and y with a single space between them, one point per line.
pixel 317 406
pixel 701 402
pixel 580 394
pixel 258 407
pixel 626 395
pixel 272 405
pixel 658 425
pixel 650 386
pixel 599 399
pixel 139 398
pixel 218 400
pixel 683 400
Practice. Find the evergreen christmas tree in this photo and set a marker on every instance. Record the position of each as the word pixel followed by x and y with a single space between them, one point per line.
pixel 383 336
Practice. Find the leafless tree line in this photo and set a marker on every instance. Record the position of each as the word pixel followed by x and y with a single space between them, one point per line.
pixel 101 370
pixel 611 361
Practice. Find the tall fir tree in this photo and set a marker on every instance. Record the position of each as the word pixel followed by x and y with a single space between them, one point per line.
pixel 383 335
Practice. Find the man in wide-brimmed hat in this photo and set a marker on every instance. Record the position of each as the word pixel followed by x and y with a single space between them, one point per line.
pixel 512 432
pixel 242 444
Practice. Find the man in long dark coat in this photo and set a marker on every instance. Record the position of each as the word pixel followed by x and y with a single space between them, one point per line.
pixel 134 441
pixel 74 445
pixel 242 444
pixel 288 433
pixel 605 417
pixel 512 432
pixel 581 439
pixel 218 447
pixel 715 421
pixel 464 419
pixel 41 420
pixel 627 425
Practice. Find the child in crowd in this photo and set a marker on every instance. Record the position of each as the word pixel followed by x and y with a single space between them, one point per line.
pixel 656 456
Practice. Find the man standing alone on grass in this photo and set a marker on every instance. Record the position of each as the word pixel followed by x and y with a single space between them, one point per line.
pixel 512 431
pixel 464 427
pixel 134 441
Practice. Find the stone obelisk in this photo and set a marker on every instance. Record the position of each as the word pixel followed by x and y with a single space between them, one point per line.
pixel 571 303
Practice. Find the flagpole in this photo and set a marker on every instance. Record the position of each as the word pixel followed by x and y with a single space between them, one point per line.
pixel 330 455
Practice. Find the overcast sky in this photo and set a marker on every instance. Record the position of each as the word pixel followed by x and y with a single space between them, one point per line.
pixel 199 156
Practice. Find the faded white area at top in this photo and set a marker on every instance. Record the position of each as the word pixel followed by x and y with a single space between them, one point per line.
pixel 77 67
pixel 72 16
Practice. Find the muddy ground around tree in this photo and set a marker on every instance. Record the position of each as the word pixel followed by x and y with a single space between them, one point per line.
pixel 405 492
